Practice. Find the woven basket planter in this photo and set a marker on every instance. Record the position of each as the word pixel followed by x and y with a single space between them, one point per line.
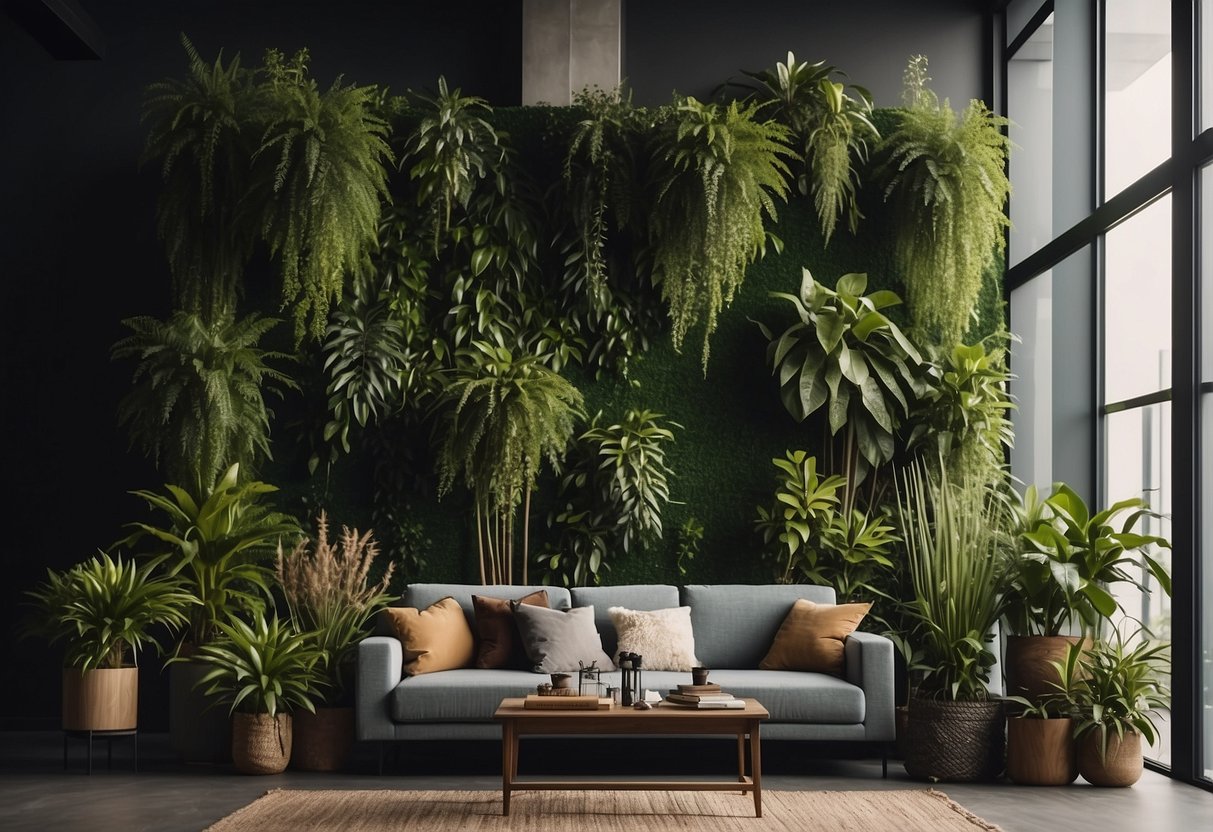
pixel 261 744
pixel 322 740
pixel 955 741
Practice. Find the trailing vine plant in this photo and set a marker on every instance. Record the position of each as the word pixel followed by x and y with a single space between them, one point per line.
pixel 946 178
pixel 832 128
pixel 718 171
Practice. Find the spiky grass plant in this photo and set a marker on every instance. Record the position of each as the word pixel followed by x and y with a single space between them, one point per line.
pixel 718 171
pixel 323 180
pixel 261 668
pixel 501 416
pixel 198 401
pixel 331 597
pixel 946 179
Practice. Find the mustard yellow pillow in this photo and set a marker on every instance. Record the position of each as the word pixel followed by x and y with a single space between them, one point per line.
pixel 812 637
pixel 435 638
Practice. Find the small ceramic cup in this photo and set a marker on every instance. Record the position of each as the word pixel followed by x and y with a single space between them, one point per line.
pixel 699 675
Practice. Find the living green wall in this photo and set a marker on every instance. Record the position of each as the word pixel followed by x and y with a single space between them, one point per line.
pixel 733 423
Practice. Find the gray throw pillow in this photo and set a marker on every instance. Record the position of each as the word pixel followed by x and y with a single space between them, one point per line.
pixel 556 640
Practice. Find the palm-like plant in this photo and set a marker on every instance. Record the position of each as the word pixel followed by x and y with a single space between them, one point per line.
pixel 202 135
pixel 1119 686
pixel 718 172
pixel 833 130
pixel 321 183
pixel 104 609
pixel 219 542
pixel 261 668
pixel 198 403
pixel 501 416
pixel 947 181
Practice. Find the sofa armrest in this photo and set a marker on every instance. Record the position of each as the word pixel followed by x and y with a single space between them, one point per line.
pixel 869 664
pixel 380 661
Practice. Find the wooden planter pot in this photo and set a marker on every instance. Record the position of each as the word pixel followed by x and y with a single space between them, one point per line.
pixel 1028 668
pixel 105 699
pixel 261 744
pixel 955 741
pixel 1120 767
pixel 1041 752
pixel 322 741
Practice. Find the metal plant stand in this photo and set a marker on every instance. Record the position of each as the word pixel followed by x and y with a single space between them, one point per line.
pixel 109 737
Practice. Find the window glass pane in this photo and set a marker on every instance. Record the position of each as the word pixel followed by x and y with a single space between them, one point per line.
pixel 1205 614
pixel 1137 463
pixel 1137 304
pixel 1206 270
pixel 1032 388
pixel 1205 48
pixel 1137 87
pixel 1030 108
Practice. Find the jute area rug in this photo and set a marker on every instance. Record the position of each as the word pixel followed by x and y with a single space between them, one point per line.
pixel 468 811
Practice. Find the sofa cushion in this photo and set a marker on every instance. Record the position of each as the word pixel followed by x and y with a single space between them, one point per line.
pixel 735 623
pixel 812 637
pixel 634 597
pixel 468 695
pixel 435 638
pixel 560 640
pixel 422 595
pixel 497 641
pixel 663 638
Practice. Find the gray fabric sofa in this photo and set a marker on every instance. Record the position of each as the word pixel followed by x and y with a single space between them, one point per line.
pixel 734 626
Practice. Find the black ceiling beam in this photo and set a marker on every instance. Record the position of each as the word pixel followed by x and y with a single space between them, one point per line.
pixel 62 27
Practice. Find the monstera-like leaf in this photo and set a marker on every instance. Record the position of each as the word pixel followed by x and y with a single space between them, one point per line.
pixel 846 355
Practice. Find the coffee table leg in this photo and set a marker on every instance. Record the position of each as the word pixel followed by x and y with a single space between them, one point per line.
pixel 756 766
pixel 508 751
pixel 741 759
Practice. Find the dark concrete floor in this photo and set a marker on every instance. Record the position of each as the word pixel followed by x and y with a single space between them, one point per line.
pixel 37 794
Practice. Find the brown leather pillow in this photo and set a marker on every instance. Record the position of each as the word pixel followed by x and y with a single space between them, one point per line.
pixel 812 637
pixel 499 644
pixel 435 638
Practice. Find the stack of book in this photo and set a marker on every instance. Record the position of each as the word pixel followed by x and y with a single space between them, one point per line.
pixel 703 697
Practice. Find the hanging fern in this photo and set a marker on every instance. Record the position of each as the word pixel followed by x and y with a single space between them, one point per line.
pixel 718 172
pixel 202 134
pixel 321 162
pixel 947 182
pixel 832 129
pixel 198 403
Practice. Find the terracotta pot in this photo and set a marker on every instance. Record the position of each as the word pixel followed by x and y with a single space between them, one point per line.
pixel 1028 670
pixel 261 744
pixel 1120 767
pixel 322 741
pixel 1041 752
pixel 955 741
pixel 105 699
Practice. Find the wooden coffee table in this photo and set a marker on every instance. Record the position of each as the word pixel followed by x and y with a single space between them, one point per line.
pixel 517 721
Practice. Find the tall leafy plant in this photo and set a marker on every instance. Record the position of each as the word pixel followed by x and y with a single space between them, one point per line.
pixel 804 503
pixel 198 402
pixel 500 416
pixel 832 128
pixel 718 171
pixel 322 181
pixel 946 179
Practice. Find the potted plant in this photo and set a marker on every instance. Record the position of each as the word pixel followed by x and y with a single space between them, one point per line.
pixel 103 610
pixel 1122 683
pixel 262 671
pixel 1067 560
pixel 1041 750
pixel 218 543
pixel 956 545
pixel 331 602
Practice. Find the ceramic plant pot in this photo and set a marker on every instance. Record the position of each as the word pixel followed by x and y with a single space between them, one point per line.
pixel 1121 766
pixel 1041 752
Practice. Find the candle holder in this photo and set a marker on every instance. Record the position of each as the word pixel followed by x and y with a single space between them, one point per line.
pixel 631 670
pixel 589 679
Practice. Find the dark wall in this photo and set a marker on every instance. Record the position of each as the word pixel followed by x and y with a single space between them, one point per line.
pixel 77 242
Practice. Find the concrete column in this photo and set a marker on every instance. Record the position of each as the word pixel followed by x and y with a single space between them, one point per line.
pixel 568 45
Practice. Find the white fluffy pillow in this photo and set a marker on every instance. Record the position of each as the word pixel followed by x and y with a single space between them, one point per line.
pixel 663 638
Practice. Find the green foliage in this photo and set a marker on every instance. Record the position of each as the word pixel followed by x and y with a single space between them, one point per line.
pixel 261 668
pixel 832 130
pixel 854 555
pixel 453 149
pixel 717 173
pixel 321 182
pixel 844 353
pixel 1120 685
pixel 804 504
pixel 198 404
pixel 955 538
pixel 690 539
pixel 1068 559
pixel 201 133
pixel 611 495
pixel 104 608
pixel 219 542
pixel 947 183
